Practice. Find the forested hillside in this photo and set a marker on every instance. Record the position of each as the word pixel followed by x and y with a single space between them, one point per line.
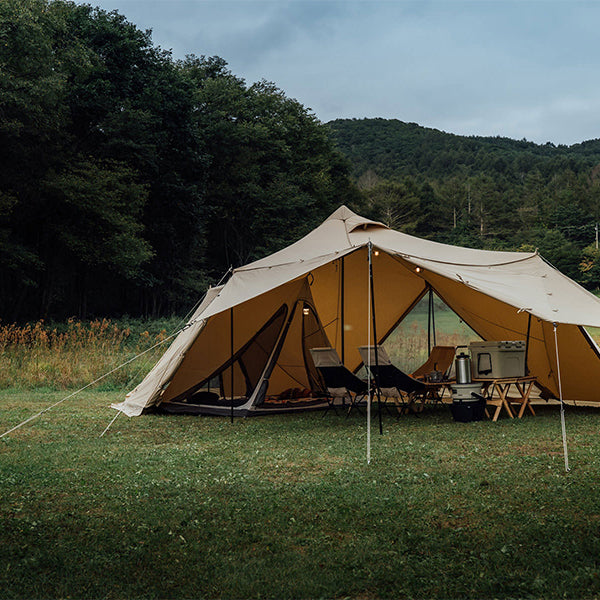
pixel 494 193
pixel 129 181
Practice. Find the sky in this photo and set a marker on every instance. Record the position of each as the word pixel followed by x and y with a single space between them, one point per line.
pixel 513 68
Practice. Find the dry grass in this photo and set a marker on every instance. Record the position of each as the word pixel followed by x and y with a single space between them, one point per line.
pixel 74 354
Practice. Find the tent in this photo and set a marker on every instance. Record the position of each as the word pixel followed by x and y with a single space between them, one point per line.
pixel 246 349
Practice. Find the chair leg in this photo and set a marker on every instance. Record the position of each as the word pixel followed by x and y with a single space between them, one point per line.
pixel 330 404
pixel 354 404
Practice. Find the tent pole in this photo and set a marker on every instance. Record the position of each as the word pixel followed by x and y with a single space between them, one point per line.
pixel 375 336
pixel 232 365
pixel 527 343
pixel 433 315
pixel 368 365
pixel 342 315
pixel 429 322
pixel 562 405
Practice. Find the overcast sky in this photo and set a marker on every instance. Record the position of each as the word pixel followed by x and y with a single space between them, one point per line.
pixel 520 69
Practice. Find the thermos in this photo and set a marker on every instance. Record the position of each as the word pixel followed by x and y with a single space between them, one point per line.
pixel 463 367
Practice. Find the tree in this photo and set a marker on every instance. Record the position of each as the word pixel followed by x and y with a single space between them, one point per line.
pixel 273 169
pixel 590 267
pixel 396 204
pixel 106 174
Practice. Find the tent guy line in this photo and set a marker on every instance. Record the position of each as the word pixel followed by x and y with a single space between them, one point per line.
pixel 73 394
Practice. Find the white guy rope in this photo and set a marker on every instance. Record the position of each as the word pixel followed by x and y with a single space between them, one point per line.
pixel 109 425
pixel 195 307
pixel 369 359
pixel 562 405
pixel 88 385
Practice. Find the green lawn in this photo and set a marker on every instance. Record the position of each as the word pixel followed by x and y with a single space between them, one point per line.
pixel 286 507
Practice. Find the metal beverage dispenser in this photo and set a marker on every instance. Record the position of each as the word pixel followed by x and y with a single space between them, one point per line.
pixel 463 366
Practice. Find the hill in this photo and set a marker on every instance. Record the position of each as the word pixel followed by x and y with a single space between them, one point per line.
pixel 480 192
pixel 393 149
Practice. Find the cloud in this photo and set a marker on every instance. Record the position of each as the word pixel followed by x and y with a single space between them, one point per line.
pixel 513 68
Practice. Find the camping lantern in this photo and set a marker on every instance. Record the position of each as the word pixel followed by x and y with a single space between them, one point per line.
pixel 463 367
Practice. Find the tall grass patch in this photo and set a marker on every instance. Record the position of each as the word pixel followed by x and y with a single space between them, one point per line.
pixel 72 354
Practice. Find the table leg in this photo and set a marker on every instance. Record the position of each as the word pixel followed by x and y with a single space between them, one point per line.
pixel 525 391
pixel 503 401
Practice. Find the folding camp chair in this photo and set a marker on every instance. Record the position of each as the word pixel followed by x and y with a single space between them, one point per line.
pixel 440 361
pixel 393 383
pixel 340 382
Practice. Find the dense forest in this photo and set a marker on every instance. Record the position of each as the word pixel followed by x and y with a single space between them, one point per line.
pixel 130 181
pixel 493 193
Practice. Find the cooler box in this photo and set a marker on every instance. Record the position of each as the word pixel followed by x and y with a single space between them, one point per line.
pixel 495 360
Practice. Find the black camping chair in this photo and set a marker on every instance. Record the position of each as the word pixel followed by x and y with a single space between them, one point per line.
pixel 341 383
pixel 393 383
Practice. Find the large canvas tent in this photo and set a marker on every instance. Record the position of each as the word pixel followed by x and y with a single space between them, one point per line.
pixel 249 341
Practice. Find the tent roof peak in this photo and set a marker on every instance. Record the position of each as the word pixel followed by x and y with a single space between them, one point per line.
pixel 353 221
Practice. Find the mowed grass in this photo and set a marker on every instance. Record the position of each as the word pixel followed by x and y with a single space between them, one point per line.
pixel 285 506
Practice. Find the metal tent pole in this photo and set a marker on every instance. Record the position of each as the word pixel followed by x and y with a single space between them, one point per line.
pixel 562 404
pixel 527 343
pixel 368 365
pixel 375 336
pixel 232 365
pixel 429 323
pixel 433 316
pixel 342 314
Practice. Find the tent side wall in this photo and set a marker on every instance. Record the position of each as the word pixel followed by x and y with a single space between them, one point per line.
pixel 396 289
pixel 148 392
pixel 496 320
pixel 212 348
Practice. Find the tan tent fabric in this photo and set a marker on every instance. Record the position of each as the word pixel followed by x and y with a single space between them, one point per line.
pixel 149 390
pixel 494 292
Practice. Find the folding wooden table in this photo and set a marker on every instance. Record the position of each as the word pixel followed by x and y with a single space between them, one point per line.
pixel 497 393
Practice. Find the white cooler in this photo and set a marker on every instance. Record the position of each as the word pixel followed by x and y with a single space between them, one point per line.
pixel 496 360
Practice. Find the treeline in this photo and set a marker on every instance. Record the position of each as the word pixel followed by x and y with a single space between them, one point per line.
pixel 129 181
pixel 493 193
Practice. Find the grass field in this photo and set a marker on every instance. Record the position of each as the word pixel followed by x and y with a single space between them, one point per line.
pixel 286 506
pixel 283 506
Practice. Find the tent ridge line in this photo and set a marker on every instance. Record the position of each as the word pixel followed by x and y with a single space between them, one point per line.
pixel 294 262
pixel 444 262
